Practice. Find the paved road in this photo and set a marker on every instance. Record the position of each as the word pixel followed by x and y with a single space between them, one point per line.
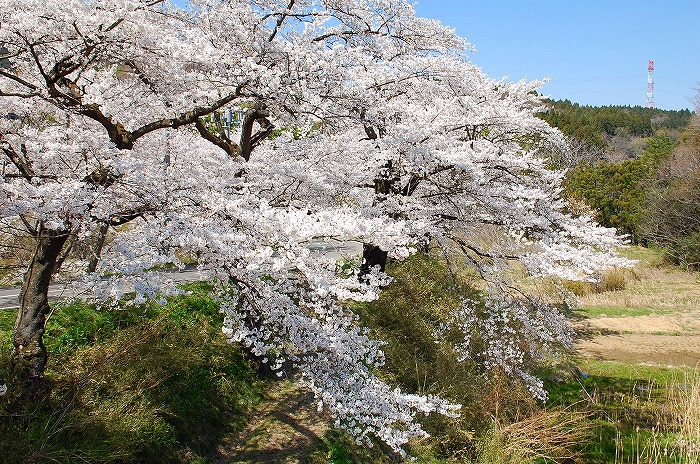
pixel 9 296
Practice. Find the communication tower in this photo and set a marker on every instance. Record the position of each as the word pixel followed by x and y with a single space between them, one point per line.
pixel 650 85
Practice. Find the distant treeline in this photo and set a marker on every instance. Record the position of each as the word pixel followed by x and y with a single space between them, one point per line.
pixel 653 197
pixel 591 124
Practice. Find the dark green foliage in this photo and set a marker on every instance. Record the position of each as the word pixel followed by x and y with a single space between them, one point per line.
pixel 132 385
pixel 614 191
pixel 592 124
pixel 672 214
pixel 617 192
pixel 654 197
pixel 340 448
pixel 658 148
pixel 674 221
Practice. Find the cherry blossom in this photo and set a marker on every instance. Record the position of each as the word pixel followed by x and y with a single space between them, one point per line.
pixel 359 121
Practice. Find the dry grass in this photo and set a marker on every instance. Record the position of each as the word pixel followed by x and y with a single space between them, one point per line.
pixel 612 280
pixel 551 435
pixel 660 289
pixel 684 398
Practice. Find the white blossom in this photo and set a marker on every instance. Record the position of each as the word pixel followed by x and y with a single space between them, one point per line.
pixel 385 134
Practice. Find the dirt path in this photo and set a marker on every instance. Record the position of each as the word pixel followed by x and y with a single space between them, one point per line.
pixel 286 430
pixel 670 339
pixel 671 350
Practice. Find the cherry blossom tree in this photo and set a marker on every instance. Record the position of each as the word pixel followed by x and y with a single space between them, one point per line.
pixel 360 121
pixel 456 157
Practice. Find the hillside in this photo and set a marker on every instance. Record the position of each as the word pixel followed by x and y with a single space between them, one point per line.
pixel 161 385
pixel 638 169
pixel 616 130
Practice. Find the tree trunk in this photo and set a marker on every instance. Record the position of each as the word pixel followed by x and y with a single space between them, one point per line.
pixel 96 250
pixel 372 256
pixel 29 355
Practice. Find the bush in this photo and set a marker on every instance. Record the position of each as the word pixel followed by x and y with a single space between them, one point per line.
pixel 672 215
pixel 548 435
pixel 618 192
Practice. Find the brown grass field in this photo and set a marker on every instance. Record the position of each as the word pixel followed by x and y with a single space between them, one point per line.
pixel 655 319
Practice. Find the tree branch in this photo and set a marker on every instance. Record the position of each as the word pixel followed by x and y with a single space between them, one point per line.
pixel 231 148
pixel 18 79
pixel 249 140
pixel 18 160
pixel 280 20
pixel 185 118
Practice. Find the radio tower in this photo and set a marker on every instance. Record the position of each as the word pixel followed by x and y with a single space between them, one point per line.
pixel 650 85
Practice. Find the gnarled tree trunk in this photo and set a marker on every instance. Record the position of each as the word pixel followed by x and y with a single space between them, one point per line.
pixel 96 250
pixel 372 256
pixel 29 355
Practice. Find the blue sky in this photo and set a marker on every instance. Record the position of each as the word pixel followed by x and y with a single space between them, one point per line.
pixel 595 51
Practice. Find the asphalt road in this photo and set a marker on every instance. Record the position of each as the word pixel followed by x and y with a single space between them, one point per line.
pixel 9 296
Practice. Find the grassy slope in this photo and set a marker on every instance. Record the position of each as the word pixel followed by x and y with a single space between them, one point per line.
pixel 131 385
pixel 161 385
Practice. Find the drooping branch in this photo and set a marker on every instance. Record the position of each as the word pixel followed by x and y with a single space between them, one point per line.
pixel 467 247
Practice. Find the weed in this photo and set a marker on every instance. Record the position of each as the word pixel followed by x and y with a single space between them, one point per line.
pixel 638 413
pixel 549 435
pixel 612 280
pixel 684 399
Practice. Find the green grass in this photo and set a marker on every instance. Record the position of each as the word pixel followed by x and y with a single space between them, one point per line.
pixel 339 448
pixel 615 311
pixel 158 384
pixel 650 257
pixel 7 323
pixel 618 370
pixel 630 411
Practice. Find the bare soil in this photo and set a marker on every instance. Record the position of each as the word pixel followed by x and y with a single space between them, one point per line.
pixel 667 350
pixel 285 430
pixel 666 333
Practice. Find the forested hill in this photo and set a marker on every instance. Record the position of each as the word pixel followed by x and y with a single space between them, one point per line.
pixel 597 126
pixel 638 169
